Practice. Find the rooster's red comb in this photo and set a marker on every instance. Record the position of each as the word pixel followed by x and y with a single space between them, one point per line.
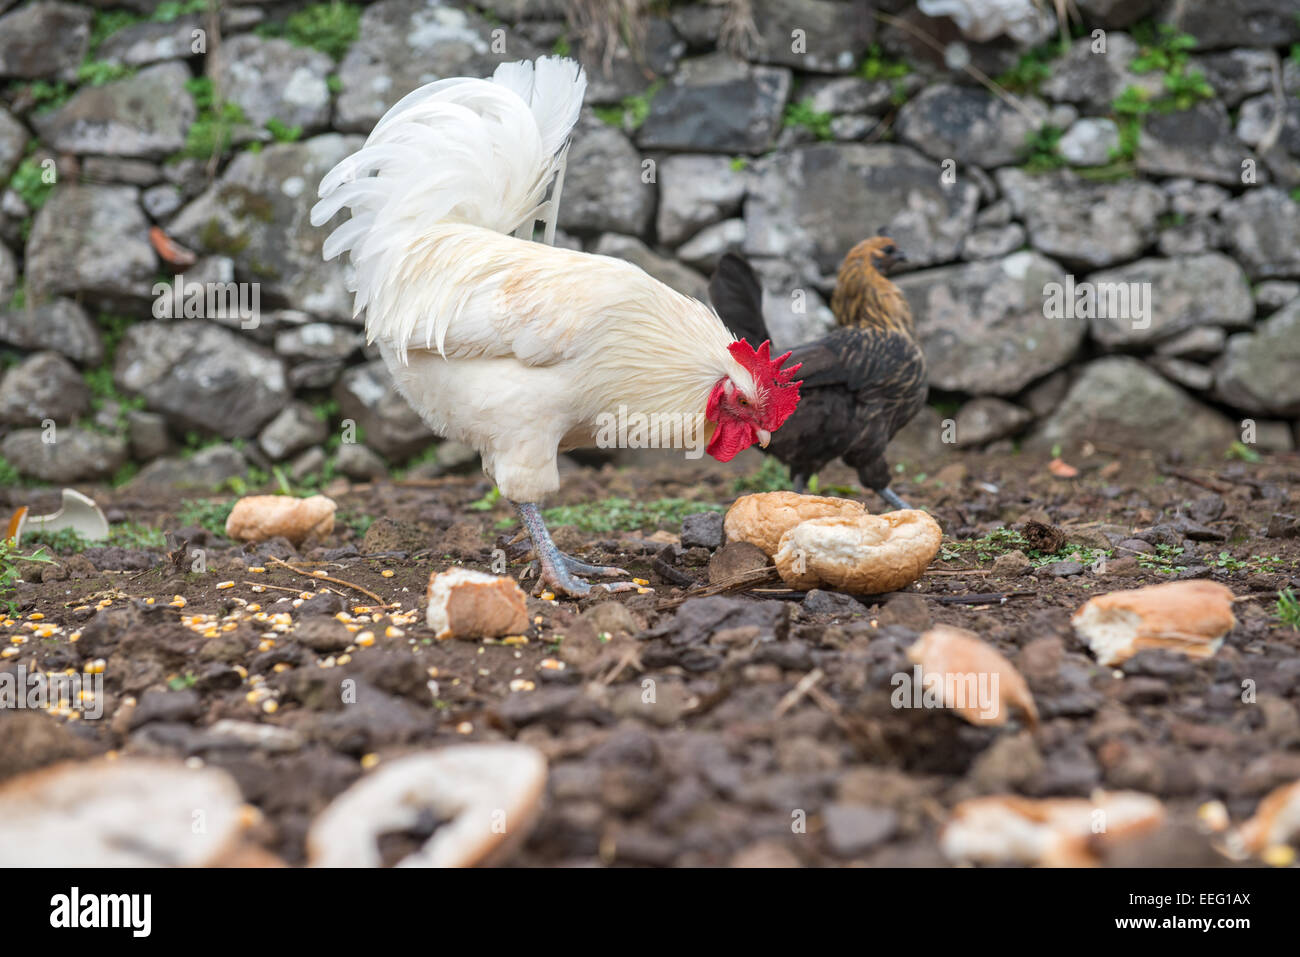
pixel 781 395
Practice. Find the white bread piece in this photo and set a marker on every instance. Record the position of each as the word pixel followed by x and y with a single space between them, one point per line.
pixel 864 554
pixel 492 794
pixel 1052 832
pixel 762 518
pixel 256 518
pixel 131 812
pixel 464 603
pixel 1276 820
pixel 945 650
pixel 1191 617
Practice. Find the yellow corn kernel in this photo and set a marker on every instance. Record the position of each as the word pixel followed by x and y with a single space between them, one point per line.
pixel 387 573
pixel 257 569
pixel 225 585
pixel 368 761
pixel 35 616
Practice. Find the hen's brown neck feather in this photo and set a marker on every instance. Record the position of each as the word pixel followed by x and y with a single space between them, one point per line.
pixel 864 298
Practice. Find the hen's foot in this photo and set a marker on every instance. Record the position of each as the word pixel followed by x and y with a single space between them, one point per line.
pixel 892 498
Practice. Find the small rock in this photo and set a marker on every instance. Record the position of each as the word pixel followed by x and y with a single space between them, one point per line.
pixel 702 530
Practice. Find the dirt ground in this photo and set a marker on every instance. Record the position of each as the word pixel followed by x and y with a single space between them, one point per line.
pixel 671 728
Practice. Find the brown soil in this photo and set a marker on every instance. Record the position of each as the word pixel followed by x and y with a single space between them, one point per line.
pixel 671 729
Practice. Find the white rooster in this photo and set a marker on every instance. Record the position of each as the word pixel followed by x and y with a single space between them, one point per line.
pixel 517 348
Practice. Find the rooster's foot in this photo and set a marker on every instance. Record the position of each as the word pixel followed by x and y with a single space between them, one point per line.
pixel 559 572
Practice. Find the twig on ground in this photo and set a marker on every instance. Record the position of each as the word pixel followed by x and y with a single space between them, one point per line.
pixel 337 581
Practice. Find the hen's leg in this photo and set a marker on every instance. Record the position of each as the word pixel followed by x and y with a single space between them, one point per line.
pixel 892 498
pixel 557 570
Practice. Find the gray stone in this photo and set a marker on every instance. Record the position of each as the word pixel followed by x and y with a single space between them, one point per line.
pixel 359 463
pixel 307 464
pixel 1196 142
pixel 1263 232
pixel 44 39
pixel 716 103
pixel 1121 402
pixel 1090 142
pixel 835 34
pixel 366 394
pixel 148 435
pixel 1244 23
pixel 404 44
pixel 207 469
pixel 1200 342
pixel 59 324
pixel 43 386
pixel 987 419
pixel 257 214
pixel 1189 375
pixel 1188 197
pixel 1274 294
pixel 1094 80
pixel 1115 14
pixel 684 280
pixel 993 242
pixel 145 114
pixel 1255 122
pixel 93 240
pixel 702 530
pixel 1084 223
pixel 273 78
pixel 794 313
pixel 201 376
pixel 982 325
pixel 293 429
pixel 139 44
pixel 1237 74
pixel 813 204
pixel 161 201
pixel 853 829
pixel 968 124
pixel 76 455
pixel 8 274
pixel 1257 371
pixel 695 191
pixel 603 189
pixel 1184 293
pixel 848 94
pixel 708 246
pixel 318 340
pixel 1189 239
pixel 13 142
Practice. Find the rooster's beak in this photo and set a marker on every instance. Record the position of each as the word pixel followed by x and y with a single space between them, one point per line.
pixel 764 437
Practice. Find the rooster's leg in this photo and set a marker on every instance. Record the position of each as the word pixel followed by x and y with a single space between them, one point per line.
pixel 892 497
pixel 557 570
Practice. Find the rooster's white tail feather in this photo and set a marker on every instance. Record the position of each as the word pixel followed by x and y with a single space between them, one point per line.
pixel 463 150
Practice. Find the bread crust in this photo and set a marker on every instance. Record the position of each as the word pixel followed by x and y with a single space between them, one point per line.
pixel 1191 617
pixel 864 554
pixel 764 517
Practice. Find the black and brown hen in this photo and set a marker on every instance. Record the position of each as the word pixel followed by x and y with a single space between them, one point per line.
pixel 862 382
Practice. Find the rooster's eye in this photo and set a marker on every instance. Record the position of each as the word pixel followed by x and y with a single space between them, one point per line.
pixel 744 401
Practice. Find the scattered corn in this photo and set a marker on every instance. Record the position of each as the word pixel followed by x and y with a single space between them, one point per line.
pixel 225 585
pixel 387 573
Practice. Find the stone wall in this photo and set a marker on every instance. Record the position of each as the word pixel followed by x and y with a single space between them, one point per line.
pixel 1129 155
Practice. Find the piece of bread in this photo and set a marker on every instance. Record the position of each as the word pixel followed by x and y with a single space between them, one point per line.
pixel 490 795
pixel 1051 832
pixel 863 554
pixel 256 518
pixel 1191 617
pixel 764 517
pixel 1276 820
pixel 131 812
pixel 464 603
pixel 978 682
